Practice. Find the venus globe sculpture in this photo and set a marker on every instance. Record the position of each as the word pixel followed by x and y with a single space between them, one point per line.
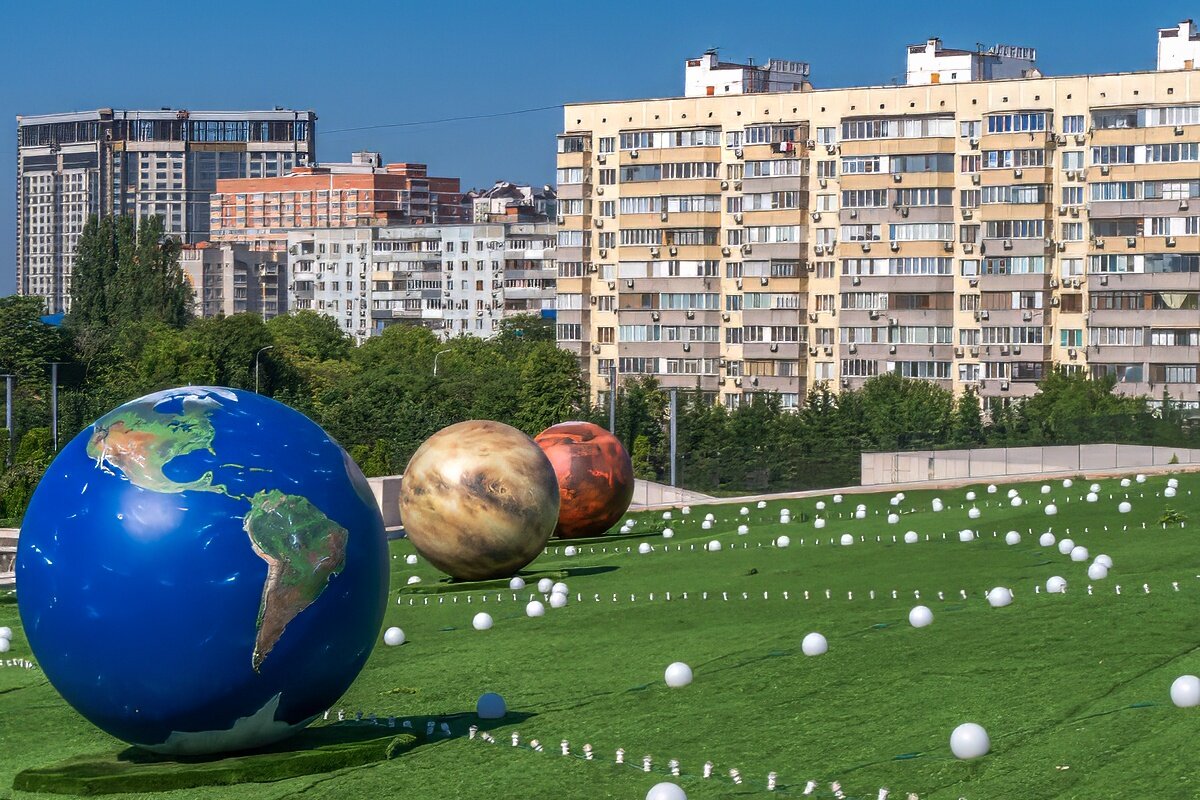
pixel 202 570
pixel 595 477
pixel 479 500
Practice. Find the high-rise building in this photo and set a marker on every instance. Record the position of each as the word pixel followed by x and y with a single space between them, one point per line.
pixel 228 279
pixel 364 192
pixel 453 279
pixel 708 75
pixel 165 163
pixel 929 62
pixel 971 233
pixel 510 202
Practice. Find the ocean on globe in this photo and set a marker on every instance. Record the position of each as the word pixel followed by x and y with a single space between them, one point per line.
pixel 202 570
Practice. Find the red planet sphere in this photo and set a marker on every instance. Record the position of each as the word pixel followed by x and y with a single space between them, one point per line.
pixel 595 477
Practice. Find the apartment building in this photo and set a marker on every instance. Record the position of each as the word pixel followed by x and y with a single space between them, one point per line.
pixel 970 233
pixel 229 279
pixel 453 279
pixel 708 75
pixel 165 163
pixel 511 202
pixel 362 193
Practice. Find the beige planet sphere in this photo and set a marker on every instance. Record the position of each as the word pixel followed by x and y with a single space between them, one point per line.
pixel 479 500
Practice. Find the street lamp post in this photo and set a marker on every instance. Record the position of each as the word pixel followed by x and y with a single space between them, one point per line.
pixel 435 359
pixel 256 355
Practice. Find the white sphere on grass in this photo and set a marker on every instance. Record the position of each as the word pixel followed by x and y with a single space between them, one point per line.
pixel 893 519
pixel 784 519
pixel 970 497
pixel 644 548
pixel 1097 571
pixel 920 617
pixel 557 600
pixel 1045 488
pixel 1092 497
pixel 1124 483
pixel 894 501
pixel 410 559
pixel 413 579
pixel 937 504
pixel 1140 478
pixel 973 512
pixel 6 633
pixel 860 514
pixel 743 530
pixel 570 550
pixel 814 644
pixel 991 488
pixel 559 587
pixel 837 498
pixel 678 674
pixel 1056 585
pixel 1051 509
pixel 1015 502
pixel 999 597
pixel 714 546
pixel 1046 539
pixel 783 541
pixel 490 706
pixel 1172 483
pixel 1012 493
pixel 482 621
pixel 762 503
pixel 393 637
pixel 5 644
pixel 1079 553
pixel 666 791
pixel 1095 487
pixel 861 507
pixel 1067 483
pixel 516 584
pixel 1185 691
pixel 545 585
pixel 847 539
pixel 969 741
pixel 966 535
pixel 1012 537
pixel 1065 545
pixel 709 517
pixel 820 505
pixel 819 522
pixel 1104 559
pixel 666 515
pixel 911 537
pixel 686 510
pixel 743 511
pixel 535 608
pixel 1125 507
pixel 1168 492
pixel 706 525
pixel 668 533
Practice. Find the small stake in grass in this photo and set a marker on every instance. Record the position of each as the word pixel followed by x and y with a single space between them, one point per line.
pixel 620 755
pixel 771 781
pixel 645 763
pixel 708 768
pixel 587 752
pixel 673 765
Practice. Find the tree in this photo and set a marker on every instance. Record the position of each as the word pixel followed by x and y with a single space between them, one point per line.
pixel 309 335
pixel 641 458
pixel 550 389
pixel 968 419
pixel 525 328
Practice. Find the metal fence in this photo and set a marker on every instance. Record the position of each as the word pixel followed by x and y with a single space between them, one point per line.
pixel 993 462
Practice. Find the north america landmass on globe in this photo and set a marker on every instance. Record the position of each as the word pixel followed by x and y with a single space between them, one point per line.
pixel 303 548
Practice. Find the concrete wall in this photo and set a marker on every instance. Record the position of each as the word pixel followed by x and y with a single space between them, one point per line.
pixel 646 493
pixel 8 554
pixel 387 495
pixel 991 462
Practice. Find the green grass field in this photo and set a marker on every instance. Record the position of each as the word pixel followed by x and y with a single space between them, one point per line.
pixel 1073 688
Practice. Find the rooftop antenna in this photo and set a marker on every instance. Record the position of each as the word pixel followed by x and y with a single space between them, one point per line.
pixel 712 51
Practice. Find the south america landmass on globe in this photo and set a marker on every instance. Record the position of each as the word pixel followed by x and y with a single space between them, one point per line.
pixel 303 548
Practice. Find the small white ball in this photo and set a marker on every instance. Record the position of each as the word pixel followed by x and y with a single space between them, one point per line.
pixel 785 512
pixel 1065 545
pixel 991 488
pixel 1015 502
pixel 644 548
pixel 814 644
pixel 911 537
pixel 1045 488
pixel 570 550
pixel 937 505
pixel 706 525
pixel 1105 560
pixel 920 617
pixel 969 741
pixel 1012 493
pixel 999 597
pixel 516 584
pixel 668 533
pixel 860 514
pixel 900 495
pixel 545 585
pixel 1046 539
pixel 1173 483
pixel 893 519
pixel 1092 497
pixel 559 587
pixel 1125 507
pixel 1097 571
pixel 743 530
pixel 410 559
pixel 482 621
pixel 6 633
pixel 762 503
pixel 1012 537
pixel 820 505
pixel 743 511
pixel 666 515
pixel 490 706
pixel 861 507
pixel 5 644
pixel 557 599
pixel 413 579
pixel 819 522
pixel 1124 483
pixel 1168 492
pixel 666 791
pixel 1079 553
pixel 783 541
pixel 837 498
pixel 534 608
pixel 1095 487
pixel 894 501
pixel 1185 691
pixel 973 512
pixel 678 674
pixel 1140 478
pixel 714 546
pixel 393 637
pixel 709 517
pixel 966 535
pixel 1051 509
pixel 847 539
pixel 784 519
pixel 1067 483
pixel 970 497
pixel 1056 585
pixel 686 510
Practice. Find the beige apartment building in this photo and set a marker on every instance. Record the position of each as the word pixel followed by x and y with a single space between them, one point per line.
pixel 971 233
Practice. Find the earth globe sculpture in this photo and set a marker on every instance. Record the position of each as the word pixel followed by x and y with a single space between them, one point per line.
pixel 595 477
pixel 479 500
pixel 202 570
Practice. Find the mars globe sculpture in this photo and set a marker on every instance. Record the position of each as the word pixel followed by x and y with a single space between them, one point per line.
pixel 479 500
pixel 595 477
pixel 202 570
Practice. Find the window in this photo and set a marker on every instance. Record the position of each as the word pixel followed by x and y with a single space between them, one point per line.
pixel 970 129
pixel 902 128
pixel 776 168
pixel 827 169
pixel 1014 229
pixel 922 232
pixel 646 140
pixel 570 144
pixel 826 202
pixel 1014 265
pixel 1070 337
pixel 1072 231
pixel 1072 123
pixel 608 144
pixel 1016 123
pixel 608 208
pixel 608 177
pixel 1170 153
pixel 1114 154
pixel 969 198
pixel 1071 267
pixel 970 163
pixel 1072 196
pixel 862 198
pixel 1018 194
pixel 826 135
pixel 1006 159
pixel 924 197
pixel 1072 160
pixel 570 175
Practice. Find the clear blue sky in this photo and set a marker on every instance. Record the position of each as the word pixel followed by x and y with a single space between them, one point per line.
pixel 357 62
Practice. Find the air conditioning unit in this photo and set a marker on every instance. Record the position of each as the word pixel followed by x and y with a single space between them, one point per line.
pixel 1070 174
pixel 816 216
pixel 737 381
pixel 948 247
pixel 1004 386
pixel 737 185
pixel 599 190
pixel 1062 209
pixel 810 144
pixel 973 282
pixel 1104 280
pixel 974 352
pixel 856 280
pixel 633 153
pixel 958 352
pixel 1008 245
pixel 968 247
pixel 674 250
pixel 892 349
pixel 1060 139
pixel 873 314
pixel 724 251
pixel 1004 351
pixel 822 182
pixel 612 286
pixel 687 347
pixel 897 177
pixel 691 314
pixel 1071 353
pixel 654 315
pixel 1179 130
pixel 629 284
pixel 595 348
pixel 866 247
pixel 1098 243
pixel 764 280
pixel 974 142
pixel 854 213
pixel 561 219
pixel 812 317
pixel 774 347
pixel 1062 246
pixel 831 149
pixel 603 252
pixel 592 300
pixel 602 159
pixel 739 283
pixel 819 249
pixel 1016 350
pixel 747 249
pixel 853 348
pixel 1074 211
pixel 599 223
pixel 1183 205
pixel 1131 241
pixel 738 153
pixel 975 178
pixel 845 383
pixel 1104 168
pixel 828 351
pixel 654 251
pixel 724 184
pixel 1018 172
pixel 725 317
pixel 1170 241
pixel 663 216
pixel 1027 315
pixel 895 247
pixel 1075 283
pixel 1080 138
pixel 985 314
pixel 967 213
pixel 737 218
pixel 1054 302
pixel 812 351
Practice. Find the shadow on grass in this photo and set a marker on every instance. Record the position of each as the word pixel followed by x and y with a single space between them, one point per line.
pixel 320 749
pixel 449 585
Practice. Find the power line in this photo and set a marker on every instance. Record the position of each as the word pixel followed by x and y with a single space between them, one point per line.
pixel 444 119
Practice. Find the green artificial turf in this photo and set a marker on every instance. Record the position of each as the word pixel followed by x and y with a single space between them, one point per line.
pixel 1073 688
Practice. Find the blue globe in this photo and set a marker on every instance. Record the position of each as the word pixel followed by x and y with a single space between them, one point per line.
pixel 202 570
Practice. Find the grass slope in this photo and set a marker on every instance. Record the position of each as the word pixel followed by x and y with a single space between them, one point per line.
pixel 1072 688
